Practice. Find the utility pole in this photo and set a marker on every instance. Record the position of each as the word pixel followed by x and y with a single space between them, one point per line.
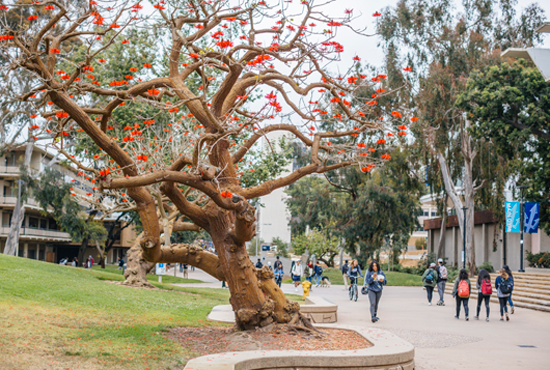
pixel 521 229
pixel 464 239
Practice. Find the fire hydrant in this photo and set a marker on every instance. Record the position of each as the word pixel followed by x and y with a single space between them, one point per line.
pixel 306 285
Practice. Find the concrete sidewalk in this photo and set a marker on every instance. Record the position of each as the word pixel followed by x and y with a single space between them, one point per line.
pixel 441 341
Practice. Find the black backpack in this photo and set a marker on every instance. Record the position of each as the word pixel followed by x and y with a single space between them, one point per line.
pixel 505 286
pixel 430 277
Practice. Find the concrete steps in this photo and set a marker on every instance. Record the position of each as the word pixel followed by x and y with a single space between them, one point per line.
pixel 531 290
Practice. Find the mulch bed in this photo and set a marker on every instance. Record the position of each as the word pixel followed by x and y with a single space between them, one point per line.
pixel 206 341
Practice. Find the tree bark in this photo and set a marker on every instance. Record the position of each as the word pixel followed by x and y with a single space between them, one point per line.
pixel 441 243
pixel 468 194
pixel 137 267
pixel 18 216
pixel 82 251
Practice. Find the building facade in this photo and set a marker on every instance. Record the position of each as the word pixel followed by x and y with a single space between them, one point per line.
pixel 40 237
pixel 491 243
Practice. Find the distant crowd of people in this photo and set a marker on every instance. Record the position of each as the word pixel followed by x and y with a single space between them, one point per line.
pixel 462 289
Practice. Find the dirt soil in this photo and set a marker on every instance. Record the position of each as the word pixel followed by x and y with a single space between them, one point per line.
pixel 206 341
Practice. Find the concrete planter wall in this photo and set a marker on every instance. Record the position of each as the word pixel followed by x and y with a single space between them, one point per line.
pixel 388 352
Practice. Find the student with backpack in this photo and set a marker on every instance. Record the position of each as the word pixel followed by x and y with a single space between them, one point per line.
pixel 429 280
pixel 485 290
pixel 504 286
pixel 318 270
pixel 511 277
pixel 441 281
pixel 461 292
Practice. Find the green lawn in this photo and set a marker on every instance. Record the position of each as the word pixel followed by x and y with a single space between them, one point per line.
pixel 393 278
pixel 111 272
pixel 59 317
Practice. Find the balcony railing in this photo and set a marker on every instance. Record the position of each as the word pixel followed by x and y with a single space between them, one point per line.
pixel 10 201
pixel 12 170
pixel 38 233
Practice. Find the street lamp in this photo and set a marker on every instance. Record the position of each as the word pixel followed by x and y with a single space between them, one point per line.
pixel 521 229
pixel 464 239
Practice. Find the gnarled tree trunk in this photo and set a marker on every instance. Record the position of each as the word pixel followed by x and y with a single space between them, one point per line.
pixel 137 267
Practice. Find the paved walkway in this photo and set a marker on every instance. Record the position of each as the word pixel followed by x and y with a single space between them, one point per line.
pixel 441 341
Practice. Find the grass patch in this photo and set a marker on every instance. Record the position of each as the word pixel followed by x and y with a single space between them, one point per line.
pixel 393 278
pixel 58 317
pixel 111 272
pixel 55 316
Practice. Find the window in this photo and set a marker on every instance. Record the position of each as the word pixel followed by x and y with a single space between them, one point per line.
pixel 43 224
pixel 426 213
pixel 53 224
pixel 33 222
pixel 433 214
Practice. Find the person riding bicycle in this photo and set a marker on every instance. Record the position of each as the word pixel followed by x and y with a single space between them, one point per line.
pixel 354 272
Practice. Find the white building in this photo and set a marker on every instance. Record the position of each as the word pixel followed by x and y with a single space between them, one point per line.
pixel 274 217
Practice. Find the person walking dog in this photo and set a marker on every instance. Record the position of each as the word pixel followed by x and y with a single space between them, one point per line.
pixel 374 280
pixel 429 280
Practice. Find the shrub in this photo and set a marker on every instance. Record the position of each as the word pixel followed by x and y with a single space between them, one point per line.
pixel 539 259
pixel 420 244
pixel 487 266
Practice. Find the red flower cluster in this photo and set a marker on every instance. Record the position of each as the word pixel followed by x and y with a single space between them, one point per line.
pixel 226 194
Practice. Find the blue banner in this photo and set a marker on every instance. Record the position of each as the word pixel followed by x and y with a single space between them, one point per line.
pixel 531 217
pixel 512 217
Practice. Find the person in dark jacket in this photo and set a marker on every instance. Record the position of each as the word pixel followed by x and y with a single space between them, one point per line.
pixel 429 280
pixel 345 269
pixel 503 296
pixel 483 279
pixel 374 281
pixel 462 276
pixel 511 277
pixel 318 272
pixel 259 264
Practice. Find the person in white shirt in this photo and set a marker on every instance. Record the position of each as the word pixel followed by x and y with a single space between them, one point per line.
pixel 297 272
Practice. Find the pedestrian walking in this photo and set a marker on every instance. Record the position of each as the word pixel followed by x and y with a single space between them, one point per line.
pixel 461 292
pixel 185 271
pixel 296 273
pixel 259 264
pixel 345 269
pixel 511 277
pixel 504 285
pixel 374 281
pixel 75 262
pixel 120 263
pixel 429 280
pixel 279 273
pixel 278 264
pixel 318 271
pixel 269 265
pixel 441 281
pixel 309 272
pixel 485 290
pixel 87 263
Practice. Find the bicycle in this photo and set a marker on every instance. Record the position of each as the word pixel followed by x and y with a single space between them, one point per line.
pixel 353 292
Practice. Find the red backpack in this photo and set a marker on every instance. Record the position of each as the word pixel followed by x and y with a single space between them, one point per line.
pixel 486 288
pixel 463 289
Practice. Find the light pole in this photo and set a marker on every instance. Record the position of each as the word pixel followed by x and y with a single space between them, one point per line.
pixel 464 239
pixel 521 229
